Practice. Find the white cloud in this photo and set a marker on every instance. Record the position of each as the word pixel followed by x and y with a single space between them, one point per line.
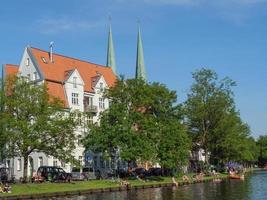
pixel 57 25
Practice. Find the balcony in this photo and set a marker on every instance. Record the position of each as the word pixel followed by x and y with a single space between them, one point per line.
pixel 91 109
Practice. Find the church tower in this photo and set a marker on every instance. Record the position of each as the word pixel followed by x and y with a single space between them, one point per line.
pixel 111 62
pixel 140 63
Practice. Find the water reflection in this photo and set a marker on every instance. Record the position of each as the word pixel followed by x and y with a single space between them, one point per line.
pixel 254 187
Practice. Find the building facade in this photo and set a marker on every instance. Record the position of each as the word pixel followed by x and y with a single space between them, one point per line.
pixel 80 85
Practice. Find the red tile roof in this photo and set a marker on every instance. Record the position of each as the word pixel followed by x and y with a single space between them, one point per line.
pixel 56 89
pixel 57 70
pixel 11 69
pixel 55 73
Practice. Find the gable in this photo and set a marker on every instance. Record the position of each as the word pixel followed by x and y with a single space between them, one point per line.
pixel 100 84
pixel 28 67
pixel 70 75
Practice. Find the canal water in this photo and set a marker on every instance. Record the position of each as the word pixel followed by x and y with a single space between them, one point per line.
pixel 253 187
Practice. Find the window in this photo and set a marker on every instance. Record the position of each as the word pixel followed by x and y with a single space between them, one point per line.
pixel 35 76
pixel 89 119
pixel 101 103
pixel 27 61
pixel 74 82
pixel 19 164
pixel 101 87
pixel 63 164
pixel 43 59
pixel 88 102
pixel 40 161
pixel 75 99
pixel 80 119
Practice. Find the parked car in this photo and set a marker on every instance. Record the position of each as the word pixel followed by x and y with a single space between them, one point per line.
pixel 3 174
pixel 86 173
pixel 141 172
pixel 154 171
pixel 52 173
pixel 122 173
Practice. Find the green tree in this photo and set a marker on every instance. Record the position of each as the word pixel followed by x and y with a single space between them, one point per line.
pixel 262 146
pixel 251 151
pixel 142 122
pixel 34 121
pixel 213 122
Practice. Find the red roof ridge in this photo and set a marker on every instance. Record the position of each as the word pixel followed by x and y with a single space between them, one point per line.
pixel 97 65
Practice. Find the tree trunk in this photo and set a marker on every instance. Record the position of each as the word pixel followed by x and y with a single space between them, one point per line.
pixel 25 169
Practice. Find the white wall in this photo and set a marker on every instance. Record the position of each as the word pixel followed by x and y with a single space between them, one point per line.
pixel 24 70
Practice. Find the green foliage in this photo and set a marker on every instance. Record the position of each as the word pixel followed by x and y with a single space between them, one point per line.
pixel 262 147
pixel 35 121
pixel 142 123
pixel 213 122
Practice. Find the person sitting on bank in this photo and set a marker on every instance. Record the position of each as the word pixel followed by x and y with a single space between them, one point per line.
pixel 6 188
pixel 231 171
pixel 125 183
pixel 185 179
pixel 1 188
pixel 174 182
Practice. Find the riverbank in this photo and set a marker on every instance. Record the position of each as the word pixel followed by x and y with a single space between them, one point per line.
pixel 45 190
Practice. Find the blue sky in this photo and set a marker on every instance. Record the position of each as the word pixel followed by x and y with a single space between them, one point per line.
pixel 179 36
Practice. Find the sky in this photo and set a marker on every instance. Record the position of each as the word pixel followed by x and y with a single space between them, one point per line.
pixel 179 37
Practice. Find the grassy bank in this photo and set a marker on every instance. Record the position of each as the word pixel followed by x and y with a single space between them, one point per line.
pixel 35 188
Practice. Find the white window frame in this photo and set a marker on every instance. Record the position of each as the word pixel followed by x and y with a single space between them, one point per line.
pixel 74 82
pixel 101 103
pixel 101 85
pixel 27 62
pixel 35 77
pixel 40 161
pixel 19 163
pixel 75 98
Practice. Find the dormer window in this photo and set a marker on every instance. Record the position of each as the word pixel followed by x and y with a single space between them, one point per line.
pixel 27 62
pixel 74 82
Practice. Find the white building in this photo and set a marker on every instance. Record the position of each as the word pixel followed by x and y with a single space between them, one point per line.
pixel 79 84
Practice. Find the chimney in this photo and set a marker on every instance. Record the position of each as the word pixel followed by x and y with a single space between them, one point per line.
pixel 51 52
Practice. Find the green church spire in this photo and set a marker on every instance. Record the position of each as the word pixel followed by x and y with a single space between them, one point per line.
pixel 140 63
pixel 111 62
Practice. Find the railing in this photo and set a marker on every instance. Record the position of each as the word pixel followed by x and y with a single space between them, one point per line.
pixel 92 109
